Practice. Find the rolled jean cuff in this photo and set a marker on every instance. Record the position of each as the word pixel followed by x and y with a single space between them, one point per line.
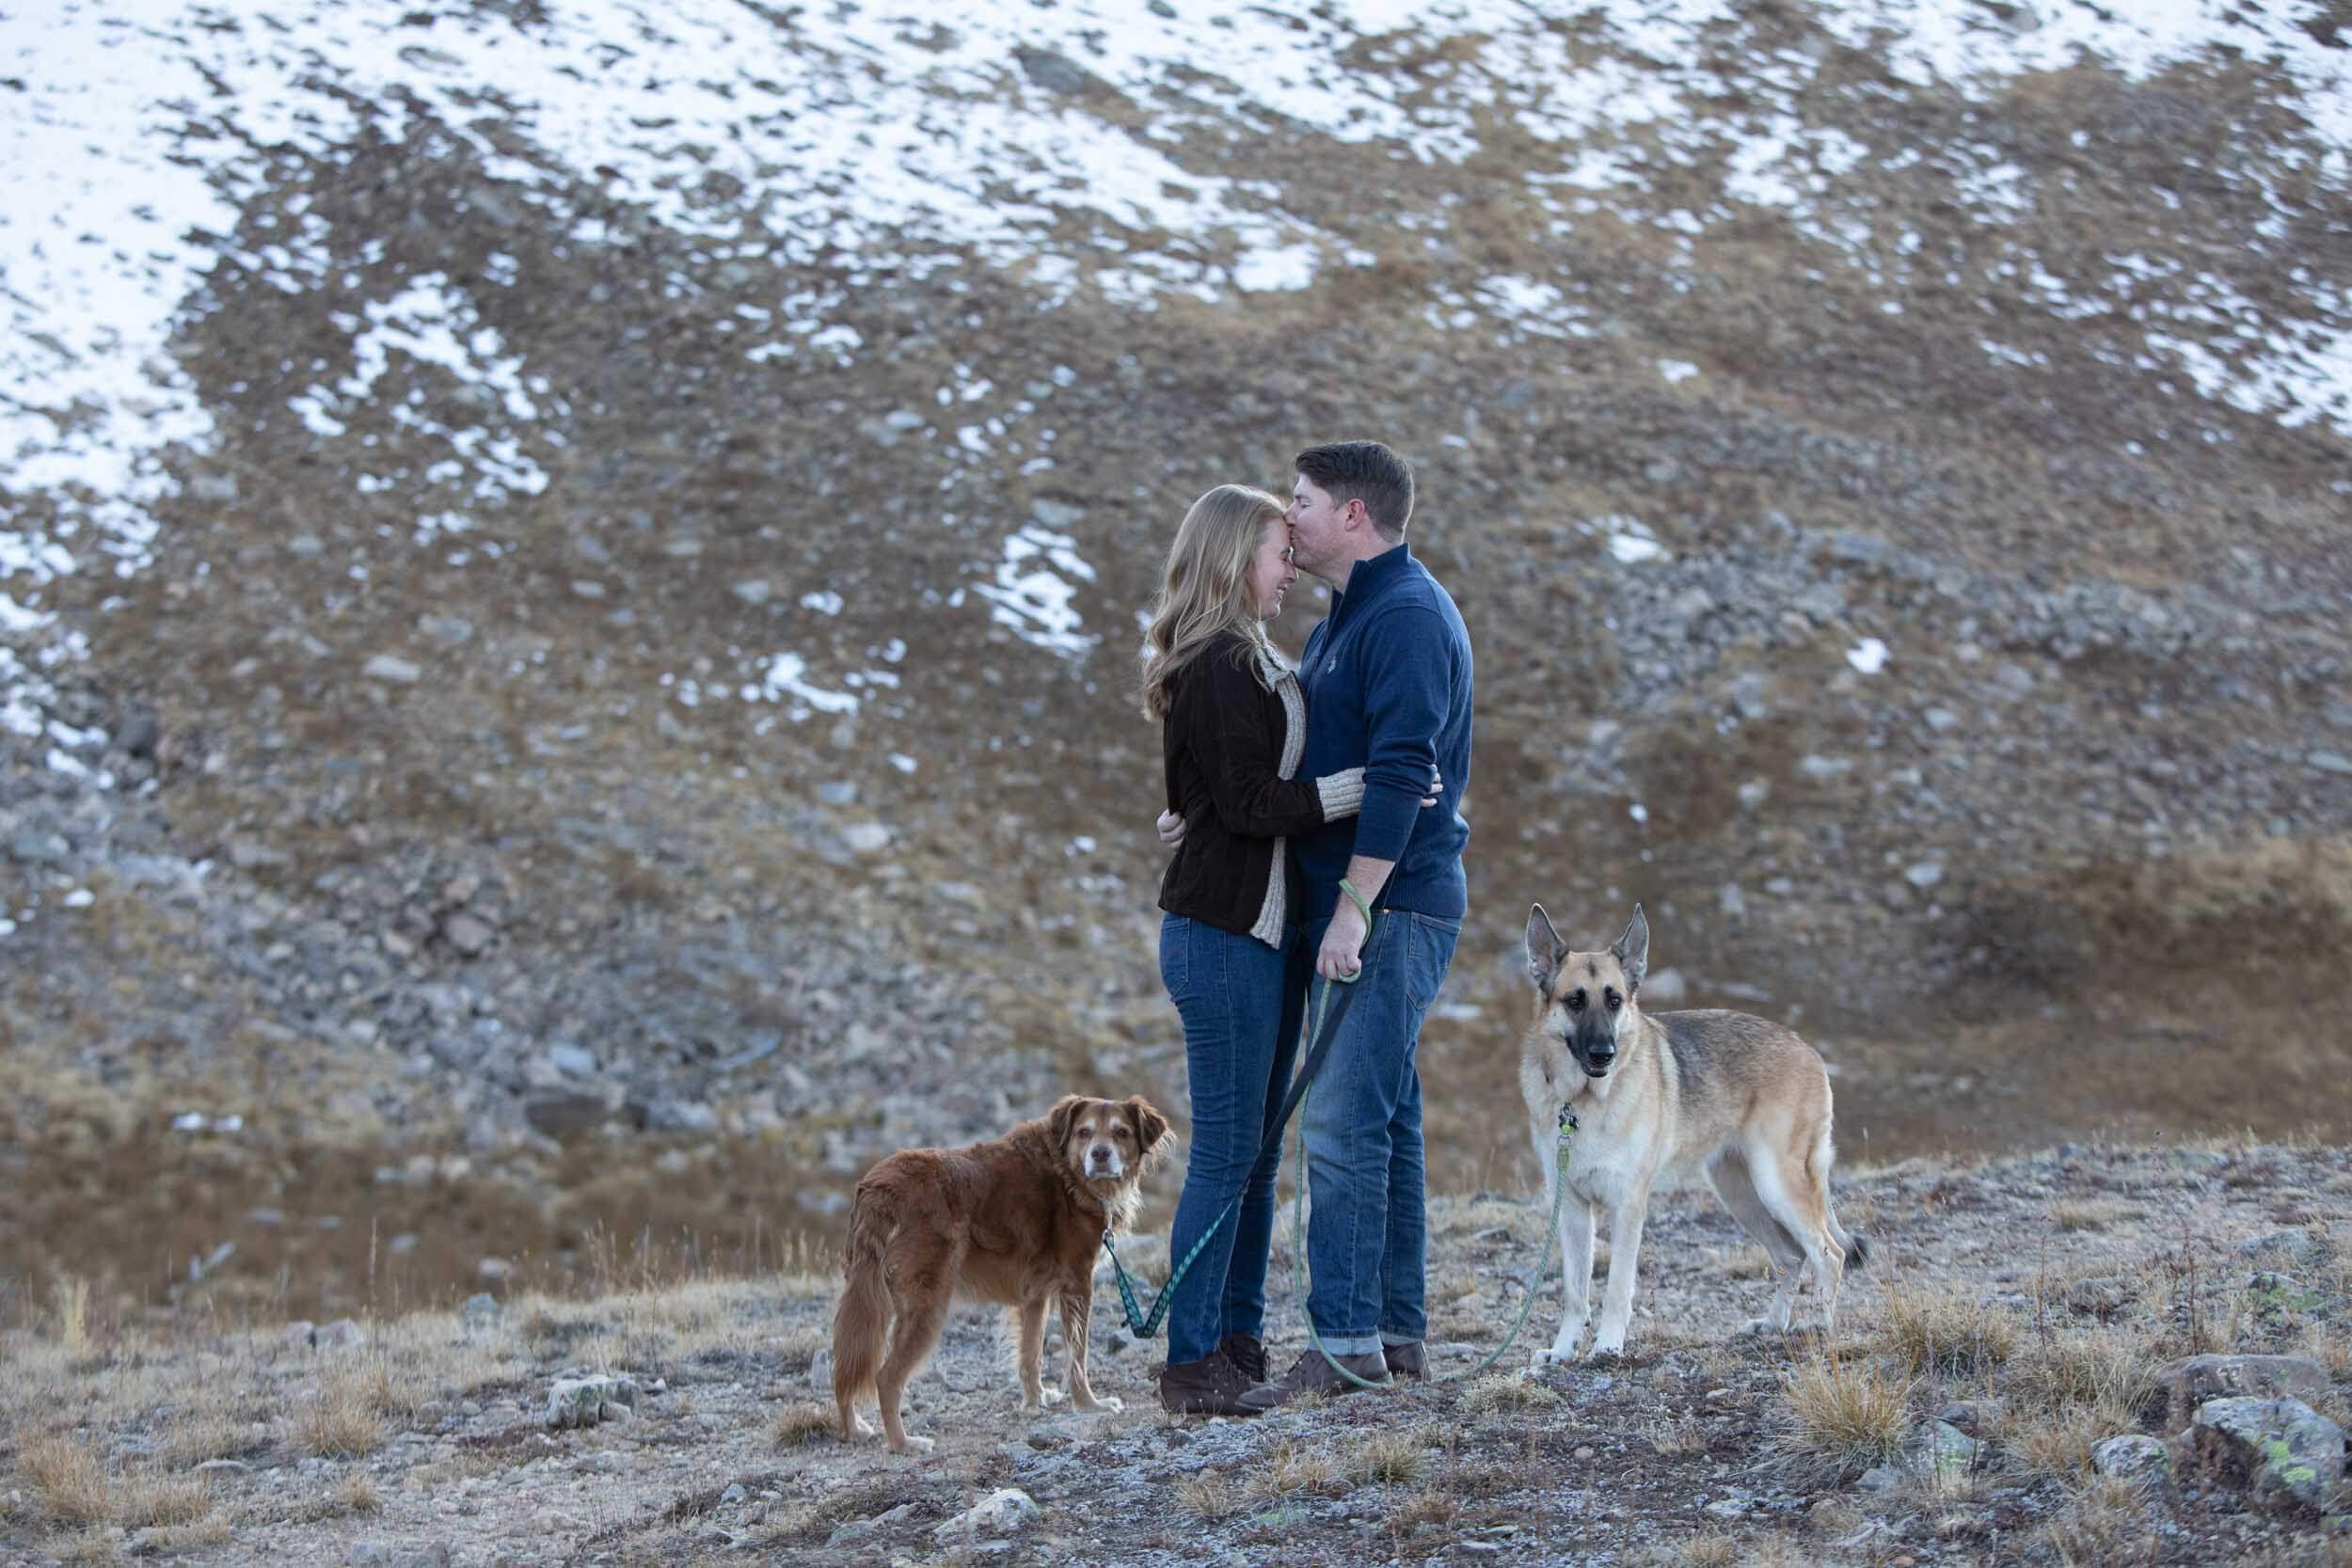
pixel 1388 1339
pixel 1362 1344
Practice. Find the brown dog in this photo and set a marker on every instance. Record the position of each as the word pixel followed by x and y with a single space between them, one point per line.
pixel 1016 1220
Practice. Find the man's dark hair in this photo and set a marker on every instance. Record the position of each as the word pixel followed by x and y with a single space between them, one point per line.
pixel 1365 471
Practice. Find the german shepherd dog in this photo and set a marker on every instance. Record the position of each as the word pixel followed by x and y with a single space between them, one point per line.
pixel 1016 1220
pixel 1740 1099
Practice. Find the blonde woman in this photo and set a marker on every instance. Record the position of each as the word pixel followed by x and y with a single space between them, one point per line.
pixel 1232 726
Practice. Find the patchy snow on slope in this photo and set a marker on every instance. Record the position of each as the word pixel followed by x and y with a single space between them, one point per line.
pixel 1069 144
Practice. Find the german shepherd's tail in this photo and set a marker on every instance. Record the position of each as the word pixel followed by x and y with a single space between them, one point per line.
pixel 862 1317
pixel 1856 1250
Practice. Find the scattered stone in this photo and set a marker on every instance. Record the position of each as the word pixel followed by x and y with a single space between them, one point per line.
pixel 2133 1455
pixel 2285 1453
pixel 858 1530
pixel 584 1402
pixel 393 670
pixel 342 1334
pixel 1879 1478
pixel 396 1554
pixel 2186 1384
pixel 468 935
pixel 1004 1511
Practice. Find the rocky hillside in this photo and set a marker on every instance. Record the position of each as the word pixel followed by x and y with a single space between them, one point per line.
pixel 2090 1356
pixel 568 572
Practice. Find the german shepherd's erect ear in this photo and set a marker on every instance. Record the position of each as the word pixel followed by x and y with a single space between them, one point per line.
pixel 1150 1127
pixel 1062 1119
pixel 1631 951
pixel 1544 949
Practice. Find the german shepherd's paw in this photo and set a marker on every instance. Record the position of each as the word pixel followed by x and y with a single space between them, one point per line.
pixel 916 1446
pixel 1543 1360
pixel 1104 1403
pixel 1046 1399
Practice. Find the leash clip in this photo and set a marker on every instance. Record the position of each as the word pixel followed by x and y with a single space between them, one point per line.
pixel 1568 1121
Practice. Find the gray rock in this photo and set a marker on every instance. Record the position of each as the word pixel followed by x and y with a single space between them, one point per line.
pixel 481 1308
pixel 2133 1455
pixel 38 846
pixel 397 1554
pixel 2186 1384
pixel 734 1495
pixel 468 935
pixel 2286 1454
pixel 392 668
pixel 576 1060
pixel 2330 762
pixel 583 1401
pixel 300 1334
pixel 1878 1477
pixel 1056 71
pixel 2294 1244
pixel 342 1334
pixel 1950 1451
pixel 1004 1512
pixel 859 1529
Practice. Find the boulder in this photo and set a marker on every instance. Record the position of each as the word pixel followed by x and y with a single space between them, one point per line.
pixel 2287 1455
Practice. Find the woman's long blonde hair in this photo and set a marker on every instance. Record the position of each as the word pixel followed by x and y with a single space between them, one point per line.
pixel 1205 591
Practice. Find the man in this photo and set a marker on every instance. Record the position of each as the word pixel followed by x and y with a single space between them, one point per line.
pixel 1388 682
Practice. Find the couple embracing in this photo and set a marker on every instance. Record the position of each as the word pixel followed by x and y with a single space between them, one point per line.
pixel 1283 785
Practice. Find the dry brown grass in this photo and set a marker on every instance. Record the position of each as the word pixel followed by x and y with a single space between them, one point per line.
pixel 1508 1391
pixel 354 1493
pixel 67 1480
pixel 2087 1215
pixel 1210 1494
pixel 345 1418
pixel 1432 1505
pixel 206 1432
pixel 90 1548
pixel 1390 1457
pixel 1289 1466
pixel 2104 1522
pixel 162 1500
pixel 1844 1416
pixel 2063 1397
pixel 1682 1435
pixel 801 1423
pixel 1943 1335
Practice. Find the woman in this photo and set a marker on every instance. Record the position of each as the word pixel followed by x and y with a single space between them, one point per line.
pixel 1232 726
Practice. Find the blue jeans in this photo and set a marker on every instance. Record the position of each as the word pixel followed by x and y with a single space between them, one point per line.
pixel 1367 1233
pixel 1240 1000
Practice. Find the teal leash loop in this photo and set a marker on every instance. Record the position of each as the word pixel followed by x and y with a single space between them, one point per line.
pixel 1143 1325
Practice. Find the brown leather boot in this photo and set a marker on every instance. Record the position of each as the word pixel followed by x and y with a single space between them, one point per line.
pixel 1209 1386
pixel 1408 1363
pixel 1311 1374
pixel 1248 1354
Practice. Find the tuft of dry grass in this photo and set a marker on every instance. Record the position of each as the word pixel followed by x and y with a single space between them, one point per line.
pixel 162 1500
pixel 1949 1336
pixel 1210 1494
pixel 2063 1397
pixel 801 1423
pixel 2104 1522
pixel 1288 1467
pixel 346 1418
pixel 90 1548
pixel 1683 1435
pixel 1844 1417
pixel 1506 1391
pixel 1431 1505
pixel 206 1432
pixel 2087 1215
pixel 1710 1551
pixel 1390 1457
pixel 67 1478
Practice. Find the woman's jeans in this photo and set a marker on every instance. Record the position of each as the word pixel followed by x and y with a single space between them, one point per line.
pixel 1240 1002
pixel 1367 1229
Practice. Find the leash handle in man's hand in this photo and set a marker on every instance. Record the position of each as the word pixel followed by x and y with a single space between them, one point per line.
pixel 1342 955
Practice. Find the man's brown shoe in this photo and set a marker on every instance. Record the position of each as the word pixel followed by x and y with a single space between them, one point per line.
pixel 1209 1386
pixel 1248 1354
pixel 1409 1362
pixel 1313 1374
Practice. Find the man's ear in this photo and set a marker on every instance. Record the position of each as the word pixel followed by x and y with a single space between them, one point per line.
pixel 1632 951
pixel 1544 949
pixel 1062 1117
pixel 1150 1127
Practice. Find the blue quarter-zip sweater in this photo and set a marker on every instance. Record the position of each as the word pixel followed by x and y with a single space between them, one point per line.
pixel 1388 684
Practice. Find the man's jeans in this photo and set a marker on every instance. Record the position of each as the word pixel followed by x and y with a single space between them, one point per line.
pixel 1240 1000
pixel 1367 1234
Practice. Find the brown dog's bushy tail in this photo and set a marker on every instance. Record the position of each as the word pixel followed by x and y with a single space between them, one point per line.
pixel 861 1320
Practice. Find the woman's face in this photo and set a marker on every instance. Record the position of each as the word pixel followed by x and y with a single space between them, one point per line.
pixel 1271 573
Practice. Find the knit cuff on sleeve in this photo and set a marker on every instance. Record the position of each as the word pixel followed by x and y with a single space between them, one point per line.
pixel 1342 794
